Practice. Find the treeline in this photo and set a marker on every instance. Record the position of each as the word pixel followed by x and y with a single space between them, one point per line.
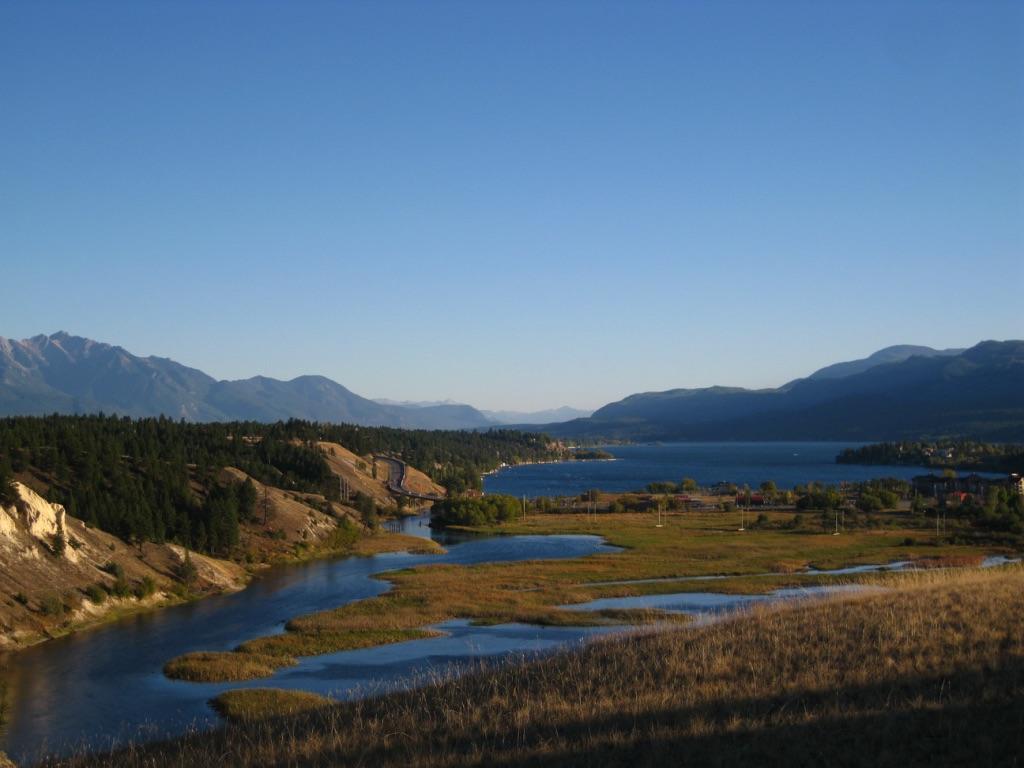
pixel 157 479
pixel 455 459
pixel 943 454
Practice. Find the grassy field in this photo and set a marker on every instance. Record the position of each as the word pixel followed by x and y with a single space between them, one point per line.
pixel 930 671
pixel 687 545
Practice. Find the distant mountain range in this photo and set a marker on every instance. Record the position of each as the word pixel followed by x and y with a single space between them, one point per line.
pixel 69 374
pixel 565 413
pixel 897 393
pixel 903 392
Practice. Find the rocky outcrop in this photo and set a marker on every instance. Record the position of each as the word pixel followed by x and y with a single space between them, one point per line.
pixel 56 572
pixel 37 519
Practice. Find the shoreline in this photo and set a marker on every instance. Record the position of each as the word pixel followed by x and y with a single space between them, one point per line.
pixel 537 463
pixel 163 599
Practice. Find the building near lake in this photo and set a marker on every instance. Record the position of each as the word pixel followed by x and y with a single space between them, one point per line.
pixel 960 488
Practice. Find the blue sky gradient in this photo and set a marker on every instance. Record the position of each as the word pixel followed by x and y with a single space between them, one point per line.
pixel 516 205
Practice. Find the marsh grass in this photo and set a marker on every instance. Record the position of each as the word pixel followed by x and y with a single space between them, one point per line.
pixel 532 592
pixel 253 704
pixel 223 666
pixel 929 671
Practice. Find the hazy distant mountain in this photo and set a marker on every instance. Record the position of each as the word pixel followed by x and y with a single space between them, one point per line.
pixel 68 374
pixel 565 413
pixel 975 392
pixel 415 403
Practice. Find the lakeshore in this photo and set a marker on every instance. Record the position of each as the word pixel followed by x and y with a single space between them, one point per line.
pixel 636 465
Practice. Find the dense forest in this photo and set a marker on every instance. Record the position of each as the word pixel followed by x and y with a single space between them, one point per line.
pixel 156 479
pixel 944 454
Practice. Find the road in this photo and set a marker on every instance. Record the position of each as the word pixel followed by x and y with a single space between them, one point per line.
pixel 396 480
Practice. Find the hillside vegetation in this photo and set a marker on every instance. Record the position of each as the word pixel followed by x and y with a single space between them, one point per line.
pixel 930 670
pixel 157 480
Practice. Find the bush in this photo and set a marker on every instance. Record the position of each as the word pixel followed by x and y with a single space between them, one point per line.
pixel 52 605
pixel 114 569
pixel 21 597
pixel 145 588
pixel 121 588
pixel 797 521
pixel 96 594
pixel 343 537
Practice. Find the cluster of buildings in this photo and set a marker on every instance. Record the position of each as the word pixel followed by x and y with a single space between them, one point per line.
pixel 961 488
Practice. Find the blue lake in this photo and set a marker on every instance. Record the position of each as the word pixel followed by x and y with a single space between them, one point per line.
pixel 787 464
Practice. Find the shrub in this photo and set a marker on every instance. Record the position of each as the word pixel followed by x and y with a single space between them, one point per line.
pixel 96 594
pixel 21 597
pixel 797 521
pixel 121 588
pixel 114 569
pixel 343 537
pixel 144 588
pixel 52 605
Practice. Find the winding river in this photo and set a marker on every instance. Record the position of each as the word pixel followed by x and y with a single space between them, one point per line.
pixel 104 686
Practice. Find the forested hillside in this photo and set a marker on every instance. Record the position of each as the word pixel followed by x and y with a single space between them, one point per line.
pixel 162 480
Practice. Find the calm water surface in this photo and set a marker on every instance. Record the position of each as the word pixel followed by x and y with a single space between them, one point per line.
pixel 788 464
pixel 104 686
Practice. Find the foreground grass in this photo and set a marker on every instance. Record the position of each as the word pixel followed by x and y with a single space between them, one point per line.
pixel 532 592
pixel 930 671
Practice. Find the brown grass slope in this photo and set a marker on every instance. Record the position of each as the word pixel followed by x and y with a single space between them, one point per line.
pixel 358 472
pixel 929 672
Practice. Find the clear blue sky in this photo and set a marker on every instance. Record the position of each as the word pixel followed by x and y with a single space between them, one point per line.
pixel 517 204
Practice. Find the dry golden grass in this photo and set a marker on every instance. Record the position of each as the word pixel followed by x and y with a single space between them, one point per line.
pixel 260 703
pixel 383 541
pixel 357 472
pixel 532 591
pixel 223 666
pixel 285 647
pixel 928 672
pixel 419 482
